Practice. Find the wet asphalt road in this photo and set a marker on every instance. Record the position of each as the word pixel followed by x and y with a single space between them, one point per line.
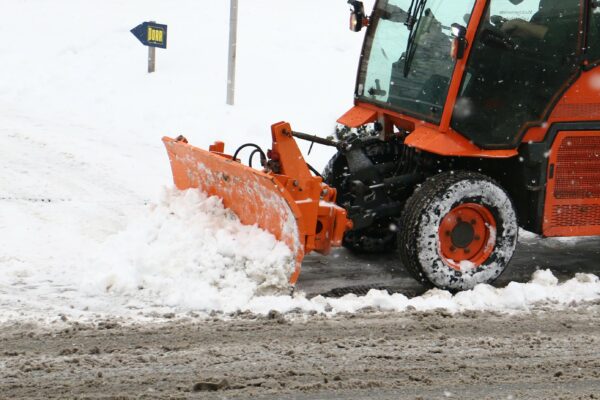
pixel 342 269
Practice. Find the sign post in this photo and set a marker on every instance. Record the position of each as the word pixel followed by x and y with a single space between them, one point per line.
pixel 233 20
pixel 152 35
pixel 151 59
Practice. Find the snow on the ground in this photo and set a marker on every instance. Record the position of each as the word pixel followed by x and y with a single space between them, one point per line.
pixel 89 223
pixel 186 254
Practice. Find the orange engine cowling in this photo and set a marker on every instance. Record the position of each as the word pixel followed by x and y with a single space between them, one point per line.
pixel 292 204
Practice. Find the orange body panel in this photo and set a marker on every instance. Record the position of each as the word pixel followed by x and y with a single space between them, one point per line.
pixel 451 144
pixel 401 120
pixel 294 206
pixel 358 116
pixel 580 102
pixel 424 136
pixel 572 206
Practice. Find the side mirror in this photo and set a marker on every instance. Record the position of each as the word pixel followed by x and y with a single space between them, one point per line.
pixel 358 18
pixel 459 44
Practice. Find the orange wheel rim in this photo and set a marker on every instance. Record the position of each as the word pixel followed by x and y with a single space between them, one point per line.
pixel 467 236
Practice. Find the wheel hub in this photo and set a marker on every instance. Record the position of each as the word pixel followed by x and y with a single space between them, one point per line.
pixel 465 234
pixel 462 235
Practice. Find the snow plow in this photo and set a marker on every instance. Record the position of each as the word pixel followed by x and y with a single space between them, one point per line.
pixel 471 118
pixel 284 198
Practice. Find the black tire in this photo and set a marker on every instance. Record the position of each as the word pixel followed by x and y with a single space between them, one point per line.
pixel 379 238
pixel 335 170
pixel 419 241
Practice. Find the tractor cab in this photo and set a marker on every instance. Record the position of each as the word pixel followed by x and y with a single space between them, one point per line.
pixel 485 69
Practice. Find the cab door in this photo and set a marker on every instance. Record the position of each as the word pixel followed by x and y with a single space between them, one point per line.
pixel 523 57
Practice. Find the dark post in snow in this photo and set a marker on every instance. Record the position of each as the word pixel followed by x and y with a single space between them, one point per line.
pixel 151 59
pixel 233 18
pixel 151 56
pixel 152 35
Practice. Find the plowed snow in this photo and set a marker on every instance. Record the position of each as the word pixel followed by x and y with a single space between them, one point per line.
pixel 186 254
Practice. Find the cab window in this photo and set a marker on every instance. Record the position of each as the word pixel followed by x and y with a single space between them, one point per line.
pixel 524 52
pixel 593 50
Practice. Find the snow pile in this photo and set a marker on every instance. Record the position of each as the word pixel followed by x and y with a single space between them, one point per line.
pixel 186 254
pixel 543 289
pixel 189 252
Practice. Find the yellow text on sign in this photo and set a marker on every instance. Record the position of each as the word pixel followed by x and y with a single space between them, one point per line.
pixel 155 35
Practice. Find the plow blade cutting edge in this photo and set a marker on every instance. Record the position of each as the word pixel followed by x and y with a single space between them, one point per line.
pixel 285 199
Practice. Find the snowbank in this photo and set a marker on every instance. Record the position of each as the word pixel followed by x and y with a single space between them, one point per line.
pixel 543 289
pixel 189 252
pixel 186 254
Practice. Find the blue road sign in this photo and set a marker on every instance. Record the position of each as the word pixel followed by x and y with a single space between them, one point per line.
pixel 151 34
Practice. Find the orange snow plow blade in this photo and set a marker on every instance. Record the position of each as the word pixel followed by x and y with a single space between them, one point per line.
pixel 284 199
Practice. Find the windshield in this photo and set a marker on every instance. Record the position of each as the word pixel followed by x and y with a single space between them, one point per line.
pixel 419 87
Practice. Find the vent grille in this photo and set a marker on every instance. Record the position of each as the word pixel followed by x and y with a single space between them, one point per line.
pixel 576 215
pixel 577 170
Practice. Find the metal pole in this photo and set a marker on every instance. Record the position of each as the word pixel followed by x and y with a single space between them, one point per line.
pixel 151 59
pixel 233 20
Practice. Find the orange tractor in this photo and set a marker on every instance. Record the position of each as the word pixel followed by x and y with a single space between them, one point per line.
pixel 471 118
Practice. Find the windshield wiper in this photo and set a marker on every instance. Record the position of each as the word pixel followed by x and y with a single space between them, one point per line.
pixel 415 14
